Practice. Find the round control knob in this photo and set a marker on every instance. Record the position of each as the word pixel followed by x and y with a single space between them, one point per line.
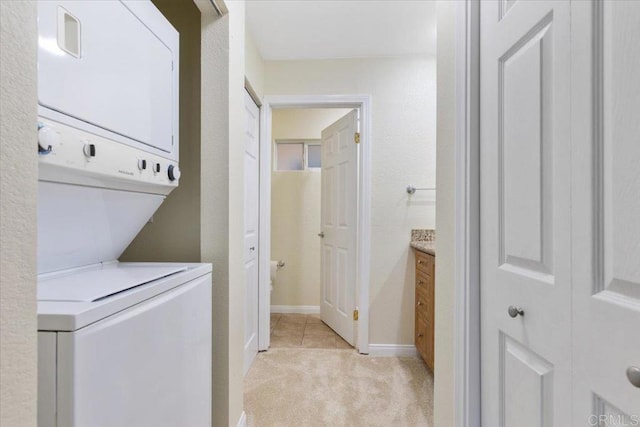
pixel 48 139
pixel 89 150
pixel 156 168
pixel 142 164
pixel 174 173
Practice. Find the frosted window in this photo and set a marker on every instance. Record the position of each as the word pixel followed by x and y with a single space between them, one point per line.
pixel 290 157
pixel 314 156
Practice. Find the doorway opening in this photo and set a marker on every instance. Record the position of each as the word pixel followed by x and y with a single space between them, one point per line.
pixel 298 183
pixel 292 192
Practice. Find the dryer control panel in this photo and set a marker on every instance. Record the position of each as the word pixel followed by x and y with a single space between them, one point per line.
pixel 74 156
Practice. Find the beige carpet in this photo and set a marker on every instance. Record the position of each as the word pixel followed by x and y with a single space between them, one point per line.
pixel 326 387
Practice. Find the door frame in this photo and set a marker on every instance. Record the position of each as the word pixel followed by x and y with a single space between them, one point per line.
pixel 467 337
pixel 269 103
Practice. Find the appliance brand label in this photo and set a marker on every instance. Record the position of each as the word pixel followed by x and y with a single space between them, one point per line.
pixel 125 172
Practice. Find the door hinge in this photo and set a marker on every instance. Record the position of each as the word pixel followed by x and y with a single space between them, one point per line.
pixel 355 314
pixel 356 137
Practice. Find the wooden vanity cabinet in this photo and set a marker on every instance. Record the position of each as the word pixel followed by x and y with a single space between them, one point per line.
pixel 424 306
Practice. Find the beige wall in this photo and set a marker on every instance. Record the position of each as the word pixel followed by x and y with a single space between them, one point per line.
pixel 237 121
pixel 18 192
pixel 174 234
pixel 199 221
pixel 192 225
pixel 403 112
pixel 214 199
pixel 295 211
pixel 445 224
pixel 254 66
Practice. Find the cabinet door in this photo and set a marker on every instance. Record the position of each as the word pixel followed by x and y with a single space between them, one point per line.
pixel 429 350
pixel 424 307
pixel 421 337
pixel 425 263
pixel 430 292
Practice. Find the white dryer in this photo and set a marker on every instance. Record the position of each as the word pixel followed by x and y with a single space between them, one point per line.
pixel 120 344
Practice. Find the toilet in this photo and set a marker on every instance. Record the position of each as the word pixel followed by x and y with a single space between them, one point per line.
pixel 275 266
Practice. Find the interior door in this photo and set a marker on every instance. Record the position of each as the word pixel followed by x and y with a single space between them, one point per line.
pixel 251 215
pixel 525 213
pixel 339 225
pixel 606 212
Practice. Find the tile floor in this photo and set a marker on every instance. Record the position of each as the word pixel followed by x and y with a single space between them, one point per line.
pixel 303 331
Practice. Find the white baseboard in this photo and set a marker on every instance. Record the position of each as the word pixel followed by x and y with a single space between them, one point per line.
pixel 300 309
pixel 389 350
pixel 242 422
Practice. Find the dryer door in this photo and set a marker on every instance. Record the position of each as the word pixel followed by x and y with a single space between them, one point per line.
pixel 110 65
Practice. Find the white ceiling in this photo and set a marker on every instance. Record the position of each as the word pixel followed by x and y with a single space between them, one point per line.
pixel 320 29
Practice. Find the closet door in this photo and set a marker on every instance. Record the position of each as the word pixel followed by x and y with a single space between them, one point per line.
pixel 251 229
pixel 525 213
pixel 606 212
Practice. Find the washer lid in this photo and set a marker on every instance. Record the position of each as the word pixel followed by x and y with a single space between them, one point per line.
pixel 95 284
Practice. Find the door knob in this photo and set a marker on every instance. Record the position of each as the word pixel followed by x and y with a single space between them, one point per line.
pixel 321 234
pixel 515 311
pixel 633 374
pixel 252 248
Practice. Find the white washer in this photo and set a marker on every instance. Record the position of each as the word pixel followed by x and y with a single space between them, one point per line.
pixel 120 344
pixel 125 344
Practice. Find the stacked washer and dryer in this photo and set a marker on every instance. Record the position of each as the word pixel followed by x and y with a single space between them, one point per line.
pixel 120 344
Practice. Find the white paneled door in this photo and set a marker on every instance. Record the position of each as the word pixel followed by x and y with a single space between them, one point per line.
pixel 606 212
pixel 251 215
pixel 339 225
pixel 525 213
pixel 560 209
